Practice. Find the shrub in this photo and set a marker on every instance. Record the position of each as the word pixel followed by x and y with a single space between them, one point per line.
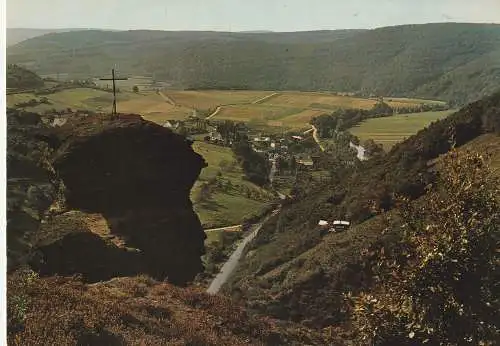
pixel 441 286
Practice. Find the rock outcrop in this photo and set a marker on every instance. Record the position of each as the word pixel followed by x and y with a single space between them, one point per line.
pixel 123 206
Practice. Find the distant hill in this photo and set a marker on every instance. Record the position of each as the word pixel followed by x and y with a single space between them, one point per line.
pixel 21 78
pixel 454 62
pixel 16 35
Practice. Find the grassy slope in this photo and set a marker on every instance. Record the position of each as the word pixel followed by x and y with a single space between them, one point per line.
pixel 450 61
pixel 228 207
pixel 391 130
pixel 293 272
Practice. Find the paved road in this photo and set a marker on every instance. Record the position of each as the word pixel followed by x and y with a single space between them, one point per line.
pixel 231 264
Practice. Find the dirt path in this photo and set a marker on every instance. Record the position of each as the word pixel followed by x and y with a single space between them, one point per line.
pixel 217 110
pixel 316 138
pixel 228 228
pixel 167 98
pixel 264 98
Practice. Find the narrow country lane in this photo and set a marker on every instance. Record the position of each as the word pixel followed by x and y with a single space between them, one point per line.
pixel 231 264
pixel 167 98
pixel 217 110
pixel 316 138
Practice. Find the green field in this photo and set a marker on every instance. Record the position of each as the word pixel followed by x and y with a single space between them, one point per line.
pixel 230 206
pixel 391 130
pixel 293 110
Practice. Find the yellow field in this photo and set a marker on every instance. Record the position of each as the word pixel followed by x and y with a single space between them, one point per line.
pixel 301 119
pixel 210 99
pixel 318 101
pixel 255 112
pixel 390 130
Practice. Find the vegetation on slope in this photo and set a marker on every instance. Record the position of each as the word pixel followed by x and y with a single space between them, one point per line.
pixel 438 285
pixel 454 62
pixel 293 272
pixel 21 78
pixel 134 311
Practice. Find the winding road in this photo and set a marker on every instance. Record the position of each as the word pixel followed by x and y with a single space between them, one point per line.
pixel 316 138
pixel 231 264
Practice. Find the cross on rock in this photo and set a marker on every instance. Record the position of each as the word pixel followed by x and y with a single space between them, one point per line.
pixel 113 78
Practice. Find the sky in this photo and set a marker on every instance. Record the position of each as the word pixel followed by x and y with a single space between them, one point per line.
pixel 244 15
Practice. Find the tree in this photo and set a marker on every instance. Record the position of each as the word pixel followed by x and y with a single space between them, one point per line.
pixel 439 286
pixel 135 89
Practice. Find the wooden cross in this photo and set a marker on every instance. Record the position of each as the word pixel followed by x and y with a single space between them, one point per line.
pixel 113 78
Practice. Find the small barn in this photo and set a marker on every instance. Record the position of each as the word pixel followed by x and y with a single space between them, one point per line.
pixel 340 226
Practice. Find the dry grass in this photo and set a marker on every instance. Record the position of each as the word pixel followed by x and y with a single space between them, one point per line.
pixel 318 101
pixel 132 311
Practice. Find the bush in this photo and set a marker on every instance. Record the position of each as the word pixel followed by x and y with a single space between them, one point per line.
pixel 441 286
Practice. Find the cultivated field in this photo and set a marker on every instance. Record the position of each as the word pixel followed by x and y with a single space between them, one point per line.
pixel 390 130
pixel 229 206
pixel 273 111
pixel 210 99
pixel 294 110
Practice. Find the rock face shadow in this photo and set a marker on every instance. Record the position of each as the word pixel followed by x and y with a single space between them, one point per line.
pixel 137 175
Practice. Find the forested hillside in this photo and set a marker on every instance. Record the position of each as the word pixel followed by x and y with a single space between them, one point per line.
pixel 21 78
pixel 294 271
pixel 453 62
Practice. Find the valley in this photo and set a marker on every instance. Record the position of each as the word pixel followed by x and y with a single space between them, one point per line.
pixel 207 210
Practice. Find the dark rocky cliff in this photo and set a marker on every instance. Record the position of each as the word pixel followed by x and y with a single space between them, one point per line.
pixel 129 180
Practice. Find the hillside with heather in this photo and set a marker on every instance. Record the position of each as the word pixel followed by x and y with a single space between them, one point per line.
pixel 410 209
pixel 454 62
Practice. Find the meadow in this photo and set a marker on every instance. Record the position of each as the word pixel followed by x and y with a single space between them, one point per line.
pixel 293 110
pixel 226 206
pixel 391 130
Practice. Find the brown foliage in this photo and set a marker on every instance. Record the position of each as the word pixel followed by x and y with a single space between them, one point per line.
pixel 130 311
